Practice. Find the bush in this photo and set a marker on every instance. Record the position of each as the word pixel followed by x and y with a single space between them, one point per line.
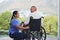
pixel 50 23
pixel 5 20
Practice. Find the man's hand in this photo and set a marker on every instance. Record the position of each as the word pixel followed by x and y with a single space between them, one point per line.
pixel 26 27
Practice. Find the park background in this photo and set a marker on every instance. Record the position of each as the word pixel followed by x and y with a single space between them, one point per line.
pixel 49 7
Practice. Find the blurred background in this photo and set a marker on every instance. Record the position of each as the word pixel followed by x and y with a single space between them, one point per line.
pixel 48 7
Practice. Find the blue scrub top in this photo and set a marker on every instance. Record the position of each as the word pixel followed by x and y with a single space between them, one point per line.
pixel 13 28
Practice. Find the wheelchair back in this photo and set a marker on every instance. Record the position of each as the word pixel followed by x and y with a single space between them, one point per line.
pixel 35 24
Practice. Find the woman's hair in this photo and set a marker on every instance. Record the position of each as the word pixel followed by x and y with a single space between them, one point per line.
pixel 14 13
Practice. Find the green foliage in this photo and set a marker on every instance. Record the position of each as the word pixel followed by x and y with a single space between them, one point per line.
pixel 4 20
pixel 50 23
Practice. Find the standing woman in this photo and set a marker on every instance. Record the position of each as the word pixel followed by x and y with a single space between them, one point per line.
pixel 15 25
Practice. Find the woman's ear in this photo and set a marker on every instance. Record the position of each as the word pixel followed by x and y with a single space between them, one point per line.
pixel 15 15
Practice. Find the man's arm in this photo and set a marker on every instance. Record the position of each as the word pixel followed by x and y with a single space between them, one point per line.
pixel 26 22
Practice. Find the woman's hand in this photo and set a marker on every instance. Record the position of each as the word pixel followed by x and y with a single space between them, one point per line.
pixel 23 27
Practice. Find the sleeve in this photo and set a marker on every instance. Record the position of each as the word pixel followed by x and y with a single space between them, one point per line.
pixel 27 21
pixel 14 23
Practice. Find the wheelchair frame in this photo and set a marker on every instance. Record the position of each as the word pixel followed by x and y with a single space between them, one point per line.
pixel 35 33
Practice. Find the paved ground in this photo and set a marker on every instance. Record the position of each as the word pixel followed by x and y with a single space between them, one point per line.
pixel 48 38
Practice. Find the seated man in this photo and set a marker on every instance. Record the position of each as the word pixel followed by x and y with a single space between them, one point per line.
pixel 34 13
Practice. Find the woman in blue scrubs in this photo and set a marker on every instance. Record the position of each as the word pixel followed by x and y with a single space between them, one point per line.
pixel 15 26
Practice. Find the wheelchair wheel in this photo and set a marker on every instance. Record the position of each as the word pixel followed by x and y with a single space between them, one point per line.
pixel 42 35
pixel 37 35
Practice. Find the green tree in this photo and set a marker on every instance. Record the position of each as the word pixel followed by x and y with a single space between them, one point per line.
pixel 50 23
pixel 5 20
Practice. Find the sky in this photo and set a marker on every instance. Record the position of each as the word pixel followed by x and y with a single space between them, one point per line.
pixel 2 1
pixel 47 6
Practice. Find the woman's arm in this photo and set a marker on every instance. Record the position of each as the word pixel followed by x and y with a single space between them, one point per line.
pixel 21 27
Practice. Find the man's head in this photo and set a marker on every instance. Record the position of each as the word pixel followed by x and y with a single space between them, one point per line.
pixel 33 9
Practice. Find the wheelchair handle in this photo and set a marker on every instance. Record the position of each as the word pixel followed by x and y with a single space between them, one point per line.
pixel 42 17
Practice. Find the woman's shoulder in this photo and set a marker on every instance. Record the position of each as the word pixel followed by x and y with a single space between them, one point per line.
pixel 15 20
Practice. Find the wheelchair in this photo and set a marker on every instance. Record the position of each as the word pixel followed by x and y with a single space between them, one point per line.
pixel 35 31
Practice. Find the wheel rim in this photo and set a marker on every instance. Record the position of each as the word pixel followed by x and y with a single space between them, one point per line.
pixel 43 33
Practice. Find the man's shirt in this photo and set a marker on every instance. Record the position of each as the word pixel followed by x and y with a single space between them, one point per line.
pixel 35 15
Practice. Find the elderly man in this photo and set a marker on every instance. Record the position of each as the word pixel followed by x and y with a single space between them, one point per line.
pixel 33 13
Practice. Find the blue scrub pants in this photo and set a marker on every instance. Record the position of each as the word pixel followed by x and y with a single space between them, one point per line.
pixel 18 36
